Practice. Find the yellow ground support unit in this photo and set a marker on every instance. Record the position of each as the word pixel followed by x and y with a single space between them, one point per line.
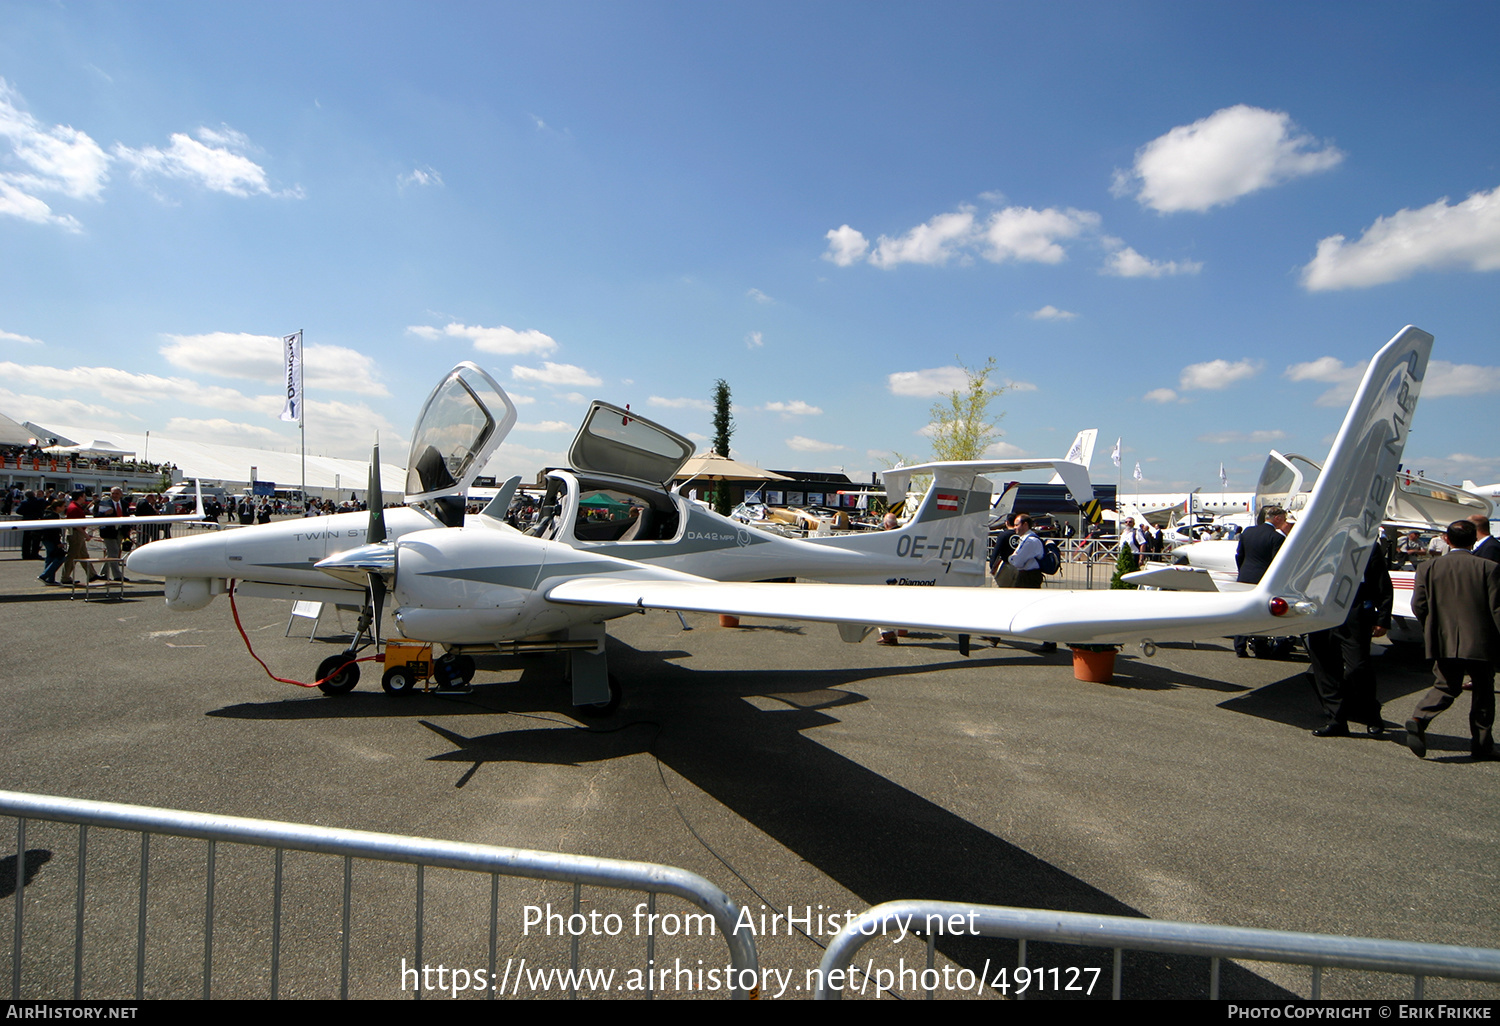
pixel 406 665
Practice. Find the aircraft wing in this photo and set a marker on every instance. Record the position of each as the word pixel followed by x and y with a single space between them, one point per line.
pixel 42 525
pixel 1077 617
pixel 164 518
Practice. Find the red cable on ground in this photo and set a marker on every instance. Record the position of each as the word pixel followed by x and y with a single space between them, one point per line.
pixel 235 610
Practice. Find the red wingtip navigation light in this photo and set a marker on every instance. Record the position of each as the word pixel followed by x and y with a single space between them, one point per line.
pixel 1279 606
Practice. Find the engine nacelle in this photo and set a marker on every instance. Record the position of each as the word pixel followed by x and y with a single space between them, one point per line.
pixel 184 594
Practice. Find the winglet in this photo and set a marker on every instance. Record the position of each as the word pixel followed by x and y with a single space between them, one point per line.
pixel 200 513
pixel 1323 560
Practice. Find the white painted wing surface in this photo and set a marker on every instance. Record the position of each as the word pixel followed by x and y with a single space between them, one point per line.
pixel 1103 617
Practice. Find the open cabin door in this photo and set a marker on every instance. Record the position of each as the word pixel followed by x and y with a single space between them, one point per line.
pixel 618 443
pixel 464 420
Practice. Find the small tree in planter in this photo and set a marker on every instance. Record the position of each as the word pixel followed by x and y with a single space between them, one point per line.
pixel 1125 563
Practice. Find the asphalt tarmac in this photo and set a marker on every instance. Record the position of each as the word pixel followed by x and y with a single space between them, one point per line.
pixel 788 767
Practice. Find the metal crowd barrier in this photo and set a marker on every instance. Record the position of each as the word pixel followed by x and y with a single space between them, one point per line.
pixel 1319 951
pixel 421 852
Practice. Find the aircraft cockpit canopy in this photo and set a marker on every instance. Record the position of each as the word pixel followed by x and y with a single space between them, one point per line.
pixel 620 443
pixel 465 418
pixel 1286 481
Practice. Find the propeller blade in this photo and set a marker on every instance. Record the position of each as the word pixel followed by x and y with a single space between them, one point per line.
pixel 376 531
pixel 377 603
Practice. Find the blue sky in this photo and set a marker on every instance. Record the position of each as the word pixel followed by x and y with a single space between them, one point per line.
pixel 1185 225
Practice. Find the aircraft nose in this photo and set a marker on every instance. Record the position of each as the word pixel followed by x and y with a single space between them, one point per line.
pixel 194 556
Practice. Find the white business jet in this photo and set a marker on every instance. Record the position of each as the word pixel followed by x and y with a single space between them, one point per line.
pixel 486 587
pixel 475 583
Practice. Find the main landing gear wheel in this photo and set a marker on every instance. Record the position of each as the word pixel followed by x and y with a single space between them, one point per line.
pixel 398 680
pixel 340 682
pixel 453 673
pixel 599 710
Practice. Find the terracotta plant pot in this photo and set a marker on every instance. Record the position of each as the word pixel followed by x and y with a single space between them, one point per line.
pixel 725 620
pixel 1094 667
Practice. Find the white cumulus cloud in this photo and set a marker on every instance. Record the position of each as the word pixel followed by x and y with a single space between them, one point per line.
pixel 10 336
pixel 1127 263
pixel 754 340
pixel 795 408
pixel 929 382
pixel 845 246
pixel 259 358
pixel 1161 395
pixel 1024 234
pixel 500 340
pixel 1444 379
pixel 1216 374
pixel 1231 153
pixel 931 243
pixel 55 158
pixel 761 297
pixel 560 374
pixel 1051 313
pixel 1436 237
pixel 549 426
pixel 801 444
pixel 211 161
pixel 420 176
pixel 679 403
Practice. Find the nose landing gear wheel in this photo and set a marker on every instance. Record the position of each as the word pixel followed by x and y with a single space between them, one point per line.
pixel 341 682
pixel 398 680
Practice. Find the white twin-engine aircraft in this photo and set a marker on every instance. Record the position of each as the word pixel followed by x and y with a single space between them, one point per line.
pixel 483 586
pixel 476 584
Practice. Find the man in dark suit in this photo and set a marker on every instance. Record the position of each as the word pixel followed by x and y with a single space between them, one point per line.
pixel 1257 547
pixel 1343 672
pixel 1456 598
pixel 1485 546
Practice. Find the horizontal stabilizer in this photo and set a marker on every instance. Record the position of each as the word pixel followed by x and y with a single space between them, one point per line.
pixel 1173 578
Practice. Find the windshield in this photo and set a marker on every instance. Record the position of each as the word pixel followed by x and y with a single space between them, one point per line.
pixel 456 430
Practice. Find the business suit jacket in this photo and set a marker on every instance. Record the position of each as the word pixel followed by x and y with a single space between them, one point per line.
pixel 1257 547
pixel 1456 598
pixel 1488 548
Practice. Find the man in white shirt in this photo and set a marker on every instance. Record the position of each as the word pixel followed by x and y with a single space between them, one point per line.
pixel 1027 561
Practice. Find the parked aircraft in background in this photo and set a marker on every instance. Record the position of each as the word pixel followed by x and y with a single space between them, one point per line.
pixel 1415 504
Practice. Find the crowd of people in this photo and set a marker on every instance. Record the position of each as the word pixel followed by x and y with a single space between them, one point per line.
pixel 65 547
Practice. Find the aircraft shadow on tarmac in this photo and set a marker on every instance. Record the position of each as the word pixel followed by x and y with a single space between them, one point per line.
pixel 873 837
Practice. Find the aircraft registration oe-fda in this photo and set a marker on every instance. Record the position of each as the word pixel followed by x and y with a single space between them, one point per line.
pixel 488 587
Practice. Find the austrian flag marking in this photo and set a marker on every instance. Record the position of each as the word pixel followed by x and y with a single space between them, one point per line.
pixel 947 502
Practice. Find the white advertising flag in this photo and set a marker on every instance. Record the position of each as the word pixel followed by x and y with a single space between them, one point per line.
pixel 1115 453
pixel 1223 477
pixel 1137 474
pixel 291 350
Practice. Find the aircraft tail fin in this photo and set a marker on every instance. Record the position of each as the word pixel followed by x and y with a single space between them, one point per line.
pixel 953 493
pixel 1080 452
pixel 1323 560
